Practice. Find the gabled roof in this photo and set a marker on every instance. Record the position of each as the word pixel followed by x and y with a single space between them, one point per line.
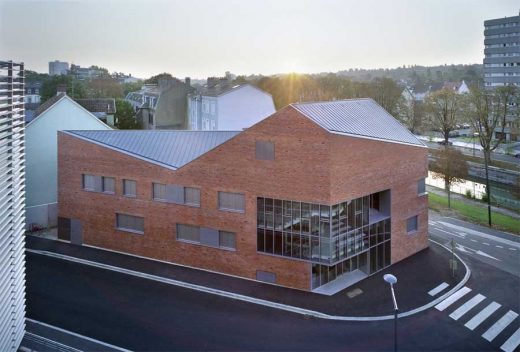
pixel 98 105
pixel 171 149
pixel 45 107
pixel 362 118
pixel 48 103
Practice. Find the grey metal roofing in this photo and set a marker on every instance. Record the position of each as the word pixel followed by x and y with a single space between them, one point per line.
pixel 357 117
pixel 172 149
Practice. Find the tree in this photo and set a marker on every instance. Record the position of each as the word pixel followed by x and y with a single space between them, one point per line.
pixel 104 87
pixel 449 164
pixel 125 117
pixel 412 115
pixel 75 88
pixel 388 94
pixel 155 79
pixel 443 109
pixel 487 112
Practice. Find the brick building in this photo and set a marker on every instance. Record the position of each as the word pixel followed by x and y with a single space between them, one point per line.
pixel 316 195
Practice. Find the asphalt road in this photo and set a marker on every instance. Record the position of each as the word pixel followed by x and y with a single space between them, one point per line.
pixel 495 156
pixel 139 314
pixel 495 248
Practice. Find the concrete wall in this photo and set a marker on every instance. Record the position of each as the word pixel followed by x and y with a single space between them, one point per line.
pixel 41 148
pixel 305 168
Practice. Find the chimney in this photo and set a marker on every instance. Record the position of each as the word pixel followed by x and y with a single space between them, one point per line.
pixel 187 81
pixel 61 88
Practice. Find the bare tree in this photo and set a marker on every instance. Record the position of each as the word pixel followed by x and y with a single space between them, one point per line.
pixel 449 164
pixel 443 109
pixel 487 111
pixel 412 115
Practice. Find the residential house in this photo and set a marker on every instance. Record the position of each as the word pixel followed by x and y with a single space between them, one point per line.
pixel 58 113
pixel 221 105
pixel 315 197
pixel 103 109
pixel 162 105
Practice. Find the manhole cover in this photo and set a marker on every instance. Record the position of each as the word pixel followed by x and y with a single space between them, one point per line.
pixel 354 293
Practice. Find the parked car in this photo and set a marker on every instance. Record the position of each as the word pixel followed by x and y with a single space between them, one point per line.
pixel 444 143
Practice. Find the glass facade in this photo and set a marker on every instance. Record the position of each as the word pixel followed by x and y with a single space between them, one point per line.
pixel 337 239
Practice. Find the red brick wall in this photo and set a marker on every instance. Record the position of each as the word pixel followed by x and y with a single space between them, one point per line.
pixel 306 168
pixel 364 166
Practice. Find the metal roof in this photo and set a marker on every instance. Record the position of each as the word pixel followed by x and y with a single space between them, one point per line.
pixel 359 118
pixel 172 149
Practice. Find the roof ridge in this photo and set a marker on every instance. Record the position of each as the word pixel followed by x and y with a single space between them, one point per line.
pixel 328 101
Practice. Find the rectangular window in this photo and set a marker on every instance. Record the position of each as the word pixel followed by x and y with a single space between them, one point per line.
pixel 231 201
pixel 227 240
pixel 192 196
pixel 421 186
pixel 206 236
pixel 89 182
pixel 129 188
pixel 411 224
pixel 159 191
pixel 130 223
pixel 188 233
pixel 176 194
pixel 109 185
pixel 264 150
pixel 266 276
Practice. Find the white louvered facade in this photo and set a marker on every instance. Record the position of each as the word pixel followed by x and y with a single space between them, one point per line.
pixel 12 198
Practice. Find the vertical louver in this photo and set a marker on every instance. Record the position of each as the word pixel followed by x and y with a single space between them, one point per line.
pixel 12 213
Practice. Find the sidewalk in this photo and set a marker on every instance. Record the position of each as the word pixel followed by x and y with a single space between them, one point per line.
pixel 476 203
pixel 416 275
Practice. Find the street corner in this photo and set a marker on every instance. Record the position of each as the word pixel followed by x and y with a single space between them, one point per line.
pixel 423 280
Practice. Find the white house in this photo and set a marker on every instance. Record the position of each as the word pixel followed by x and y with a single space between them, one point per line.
pixel 56 114
pixel 224 107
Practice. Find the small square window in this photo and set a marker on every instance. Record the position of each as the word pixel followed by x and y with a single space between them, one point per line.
pixel 421 187
pixel 129 188
pixel 411 224
pixel 264 150
pixel 109 185
pixel 159 191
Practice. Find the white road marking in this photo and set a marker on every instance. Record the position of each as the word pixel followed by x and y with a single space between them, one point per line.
pixel 462 233
pixel 486 244
pixel 471 250
pixel 484 254
pixel 481 234
pixel 51 344
pixel 452 299
pixel 482 315
pixel 466 307
pixel 500 325
pixel 77 335
pixel 511 342
pixel 512 249
pixel 474 240
pixel 499 246
pixel 451 233
pixel 438 289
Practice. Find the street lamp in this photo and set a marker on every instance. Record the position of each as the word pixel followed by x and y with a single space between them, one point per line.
pixel 392 280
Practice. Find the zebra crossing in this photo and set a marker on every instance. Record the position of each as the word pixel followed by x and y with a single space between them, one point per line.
pixel 495 323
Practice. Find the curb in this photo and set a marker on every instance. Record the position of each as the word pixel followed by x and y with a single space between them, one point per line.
pixel 258 301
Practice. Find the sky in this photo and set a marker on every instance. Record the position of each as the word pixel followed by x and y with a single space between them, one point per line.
pixel 200 38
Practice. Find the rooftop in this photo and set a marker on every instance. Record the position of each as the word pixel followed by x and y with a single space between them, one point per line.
pixel 98 105
pixel 172 149
pixel 48 103
pixel 359 118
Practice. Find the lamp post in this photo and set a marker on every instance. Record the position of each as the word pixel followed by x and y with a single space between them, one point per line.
pixel 391 279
